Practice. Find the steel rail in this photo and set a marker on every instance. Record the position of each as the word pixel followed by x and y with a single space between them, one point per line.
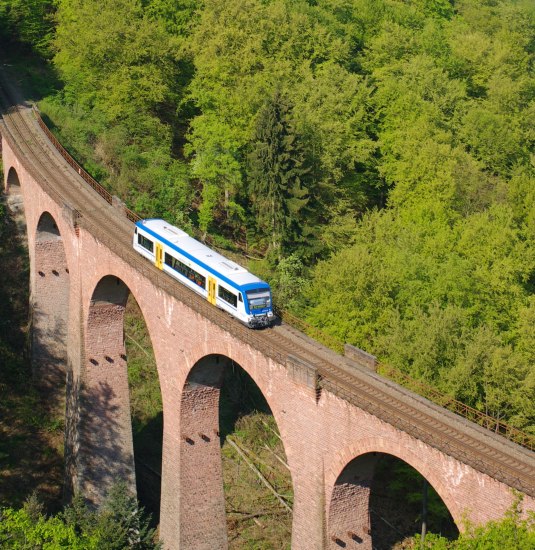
pixel 413 414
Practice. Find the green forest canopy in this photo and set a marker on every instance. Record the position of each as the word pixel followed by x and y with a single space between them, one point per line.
pixel 379 154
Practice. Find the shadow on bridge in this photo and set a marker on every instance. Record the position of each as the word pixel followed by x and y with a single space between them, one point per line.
pixel 103 456
pixel 31 415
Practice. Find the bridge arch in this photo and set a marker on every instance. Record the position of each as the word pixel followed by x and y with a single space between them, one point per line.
pixel 47 229
pixel 349 483
pixel 14 198
pixel 106 452
pixel 12 182
pixel 202 501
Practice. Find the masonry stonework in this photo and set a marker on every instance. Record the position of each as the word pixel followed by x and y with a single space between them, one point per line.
pixel 200 457
pixel 326 439
pixel 107 453
pixel 349 518
pixel 50 307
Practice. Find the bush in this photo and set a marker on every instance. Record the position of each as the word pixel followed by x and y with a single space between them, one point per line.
pixel 512 532
pixel 118 524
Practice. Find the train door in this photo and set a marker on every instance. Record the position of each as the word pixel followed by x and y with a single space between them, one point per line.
pixel 211 290
pixel 158 257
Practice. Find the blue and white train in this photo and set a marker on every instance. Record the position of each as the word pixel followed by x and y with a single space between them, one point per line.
pixel 221 281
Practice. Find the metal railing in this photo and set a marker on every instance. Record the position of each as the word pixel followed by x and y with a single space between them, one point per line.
pixel 317 334
pixel 486 421
pixel 104 193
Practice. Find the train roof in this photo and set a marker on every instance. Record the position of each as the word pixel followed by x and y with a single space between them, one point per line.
pixel 201 254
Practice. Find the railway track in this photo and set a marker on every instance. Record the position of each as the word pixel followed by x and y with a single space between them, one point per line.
pixel 330 372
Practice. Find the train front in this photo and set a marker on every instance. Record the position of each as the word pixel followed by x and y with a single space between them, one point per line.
pixel 259 306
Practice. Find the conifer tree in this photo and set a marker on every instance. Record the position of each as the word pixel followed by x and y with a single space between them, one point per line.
pixel 277 175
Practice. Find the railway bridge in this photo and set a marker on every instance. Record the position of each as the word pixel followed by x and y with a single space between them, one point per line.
pixel 335 415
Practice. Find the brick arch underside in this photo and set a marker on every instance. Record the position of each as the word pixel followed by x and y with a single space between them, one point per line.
pixel 106 453
pixel 348 505
pixel 12 181
pixel 14 197
pixel 202 502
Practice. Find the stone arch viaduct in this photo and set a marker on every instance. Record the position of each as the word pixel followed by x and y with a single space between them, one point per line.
pixel 334 414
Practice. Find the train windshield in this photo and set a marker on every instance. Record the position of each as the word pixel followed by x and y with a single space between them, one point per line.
pixel 258 299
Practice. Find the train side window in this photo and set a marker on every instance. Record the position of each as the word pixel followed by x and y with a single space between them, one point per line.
pixel 186 271
pixel 240 298
pixel 227 296
pixel 145 243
